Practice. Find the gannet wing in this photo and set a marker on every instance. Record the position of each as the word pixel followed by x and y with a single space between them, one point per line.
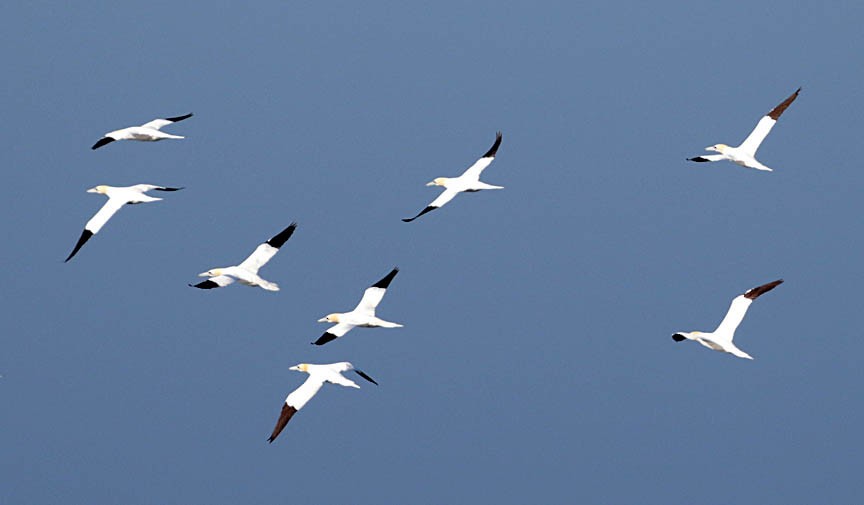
pixel 264 252
pixel 707 157
pixel 443 198
pixel 220 281
pixel 294 402
pixel 374 293
pixel 143 188
pixel 739 307
pixel 754 140
pixel 97 222
pixel 157 124
pixel 473 172
pixel 333 333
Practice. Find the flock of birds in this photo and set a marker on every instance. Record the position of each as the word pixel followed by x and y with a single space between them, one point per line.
pixel 363 315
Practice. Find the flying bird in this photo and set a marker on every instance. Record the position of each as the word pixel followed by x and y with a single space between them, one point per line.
pixel 148 132
pixel 721 338
pixel 468 181
pixel 745 154
pixel 247 272
pixel 318 375
pixel 117 198
pixel 362 315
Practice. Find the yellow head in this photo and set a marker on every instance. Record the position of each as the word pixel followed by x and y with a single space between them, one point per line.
pixel 717 148
pixel 101 189
pixel 330 318
pixel 302 367
pixel 440 181
pixel 214 272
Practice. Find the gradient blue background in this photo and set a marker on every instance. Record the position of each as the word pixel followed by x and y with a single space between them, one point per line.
pixel 536 364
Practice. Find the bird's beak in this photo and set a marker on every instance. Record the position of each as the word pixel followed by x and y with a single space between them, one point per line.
pixel 431 183
pixel 295 368
pixel 204 274
pixel 710 148
pixel 323 320
pixel 92 190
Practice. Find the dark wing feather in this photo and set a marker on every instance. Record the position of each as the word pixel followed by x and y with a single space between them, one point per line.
pixel 284 417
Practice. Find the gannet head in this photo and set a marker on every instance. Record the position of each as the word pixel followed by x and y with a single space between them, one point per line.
pixel 717 148
pixel 215 272
pixel 302 367
pixel 101 189
pixel 440 181
pixel 330 318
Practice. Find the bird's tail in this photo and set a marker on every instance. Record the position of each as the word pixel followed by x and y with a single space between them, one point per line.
pixel 738 352
pixel 269 286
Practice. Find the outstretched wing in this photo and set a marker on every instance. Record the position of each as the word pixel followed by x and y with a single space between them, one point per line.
pixel 754 140
pixel 101 142
pixel 443 198
pixel 333 333
pixel 474 171
pixel 294 402
pixel 96 223
pixel 220 281
pixel 739 307
pixel 707 157
pixel 733 318
pixel 100 218
pixel 287 413
pixel 264 252
pixel 157 124
pixel 150 187
pixel 375 293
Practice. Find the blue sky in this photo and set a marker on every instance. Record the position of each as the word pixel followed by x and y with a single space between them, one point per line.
pixel 536 363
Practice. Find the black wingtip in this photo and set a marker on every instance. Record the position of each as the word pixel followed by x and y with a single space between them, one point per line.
pixel 427 209
pixel 494 149
pixel 326 337
pixel 387 279
pixel 170 189
pixel 363 374
pixel 758 291
pixel 178 118
pixel 679 337
pixel 208 284
pixel 85 236
pixel 101 142
pixel 698 159
pixel 777 111
pixel 283 236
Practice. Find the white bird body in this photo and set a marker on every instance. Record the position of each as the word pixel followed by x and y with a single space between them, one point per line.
pixel 363 314
pixel 247 272
pixel 243 276
pixel 117 198
pixel 469 181
pixel 318 375
pixel 148 132
pixel 745 154
pixel 721 338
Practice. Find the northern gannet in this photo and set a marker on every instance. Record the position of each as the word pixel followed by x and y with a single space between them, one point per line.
pixel 362 315
pixel 318 375
pixel 468 181
pixel 149 132
pixel 117 198
pixel 247 272
pixel 745 154
pixel 721 338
